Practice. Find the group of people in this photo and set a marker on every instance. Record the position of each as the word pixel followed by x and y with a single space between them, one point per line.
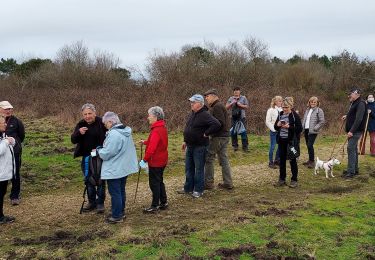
pixel 206 134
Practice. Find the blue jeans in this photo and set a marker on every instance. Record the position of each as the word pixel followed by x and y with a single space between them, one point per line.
pixel 95 194
pixel 272 148
pixel 194 168
pixel 353 153
pixel 116 188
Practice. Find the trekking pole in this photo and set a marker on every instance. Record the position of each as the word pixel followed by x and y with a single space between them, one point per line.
pixel 139 173
pixel 337 138
pixel 84 199
pixel 364 134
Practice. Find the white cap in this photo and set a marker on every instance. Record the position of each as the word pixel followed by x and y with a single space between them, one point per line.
pixel 5 105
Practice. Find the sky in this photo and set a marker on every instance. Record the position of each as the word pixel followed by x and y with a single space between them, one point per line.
pixel 133 30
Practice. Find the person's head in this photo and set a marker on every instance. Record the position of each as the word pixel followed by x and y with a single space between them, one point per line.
pixel 6 109
pixel 276 101
pixel 313 102
pixel 196 102
pixel 354 94
pixel 110 119
pixel 211 96
pixel 88 113
pixel 236 91
pixel 287 105
pixel 370 98
pixel 155 114
pixel 3 125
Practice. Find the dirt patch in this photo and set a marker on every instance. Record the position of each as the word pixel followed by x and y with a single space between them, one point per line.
pixel 282 227
pixel 234 253
pixel 325 213
pixel 241 219
pixel 61 239
pixel 271 211
pixel 272 245
pixel 368 251
pixel 340 189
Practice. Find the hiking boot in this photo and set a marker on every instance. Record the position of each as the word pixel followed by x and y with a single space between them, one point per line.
pixel 208 186
pixel 276 162
pixel 306 163
pixel 245 150
pixel 280 183
pixel 163 206
pixel 197 194
pixel 235 148
pixel 311 165
pixel 293 184
pixel 151 209
pixel 345 172
pixel 15 202
pixel 348 176
pixel 112 220
pixel 272 165
pixel 183 192
pixel 7 219
pixel 225 186
pixel 100 208
pixel 89 207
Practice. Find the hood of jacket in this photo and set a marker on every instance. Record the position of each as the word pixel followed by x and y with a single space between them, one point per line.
pixel 120 128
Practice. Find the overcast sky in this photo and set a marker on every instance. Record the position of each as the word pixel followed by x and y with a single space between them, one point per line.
pixel 133 29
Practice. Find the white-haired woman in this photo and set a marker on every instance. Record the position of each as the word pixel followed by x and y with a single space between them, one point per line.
pixel 119 160
pixel 272 115
pixel 7 169
pixel 156 156
pixel 313 121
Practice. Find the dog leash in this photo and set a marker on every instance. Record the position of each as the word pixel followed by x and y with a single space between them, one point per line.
pixel 337 138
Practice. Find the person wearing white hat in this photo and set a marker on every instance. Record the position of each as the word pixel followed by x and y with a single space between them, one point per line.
pixel 15 129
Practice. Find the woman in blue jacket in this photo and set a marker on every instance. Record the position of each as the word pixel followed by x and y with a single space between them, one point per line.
pixel 119 160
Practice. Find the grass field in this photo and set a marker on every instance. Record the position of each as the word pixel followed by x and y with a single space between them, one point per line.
pixel 321 219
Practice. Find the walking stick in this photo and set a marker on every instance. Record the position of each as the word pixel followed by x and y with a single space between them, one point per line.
pixel 337 137
pixel 84 199
pixel 364 134
pixel 139 173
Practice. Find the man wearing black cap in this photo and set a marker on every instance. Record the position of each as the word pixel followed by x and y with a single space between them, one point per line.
pixel 218 143
pixel 354 126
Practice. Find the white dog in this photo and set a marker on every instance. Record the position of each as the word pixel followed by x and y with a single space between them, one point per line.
pixel 327 166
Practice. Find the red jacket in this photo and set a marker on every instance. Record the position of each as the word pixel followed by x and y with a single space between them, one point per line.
pixel 157 145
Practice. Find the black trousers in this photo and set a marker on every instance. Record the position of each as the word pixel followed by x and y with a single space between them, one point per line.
pixel 310 140
pixel 16 180
pixel 283 145
pixel 155 179
pixel 3 190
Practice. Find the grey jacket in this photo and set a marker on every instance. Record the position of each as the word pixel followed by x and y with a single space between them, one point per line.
pixel 316 120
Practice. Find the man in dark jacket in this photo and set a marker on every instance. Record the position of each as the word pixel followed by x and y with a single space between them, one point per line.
pixel 88 134
pixel 15 129
pixel 218 143
pixel 199 126
pixel 354 126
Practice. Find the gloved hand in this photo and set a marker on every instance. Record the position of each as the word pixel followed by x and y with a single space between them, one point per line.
pixel 143 164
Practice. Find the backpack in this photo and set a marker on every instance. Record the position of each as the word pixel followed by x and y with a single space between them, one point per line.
pixel 94 171
pixel 236 112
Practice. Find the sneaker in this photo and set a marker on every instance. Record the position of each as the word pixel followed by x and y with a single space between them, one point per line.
pixel 225 186
pixel 100 208
pixel 7 219
pixel 15 202
pixel 280 183
pixel 293 184
pixel 197 194
pixel 163 206
pixel 151 210
pixel 89 207
pixel 112 220
pixel 208 186
pixel 272 165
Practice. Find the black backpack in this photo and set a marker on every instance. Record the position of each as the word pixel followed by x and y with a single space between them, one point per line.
pixel 95 168
pixel 236 112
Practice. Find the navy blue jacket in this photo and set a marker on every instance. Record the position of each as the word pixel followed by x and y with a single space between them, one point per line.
pixel 371 121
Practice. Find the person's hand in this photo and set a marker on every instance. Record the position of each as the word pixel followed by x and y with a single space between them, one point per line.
pixel 286 125
pixel 369 111
pixel 234 101
pixel 143 164
pixel 83 130
pixel 343 117
pixel 350 134
pixel 183 147
pixel 142 142
pixel 11 140
pixel 205 136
